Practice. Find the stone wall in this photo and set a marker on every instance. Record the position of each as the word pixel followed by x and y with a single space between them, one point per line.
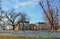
pixel 32 34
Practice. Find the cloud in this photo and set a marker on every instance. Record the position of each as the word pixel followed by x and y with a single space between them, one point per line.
pixel 32 2
pixel 29 4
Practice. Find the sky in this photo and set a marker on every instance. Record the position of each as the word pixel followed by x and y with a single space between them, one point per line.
pixel 30 7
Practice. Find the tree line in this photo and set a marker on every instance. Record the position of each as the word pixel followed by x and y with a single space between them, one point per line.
pixel 51 15
pixel 10 17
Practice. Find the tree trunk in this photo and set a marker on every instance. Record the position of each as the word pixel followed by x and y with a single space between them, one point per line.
pixel 13 27
pixel 23 26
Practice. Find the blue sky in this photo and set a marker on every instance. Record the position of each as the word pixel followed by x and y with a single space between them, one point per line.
pixel 31 7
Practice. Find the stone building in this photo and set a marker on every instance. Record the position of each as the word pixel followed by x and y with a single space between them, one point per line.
pixel 42 26
pixel 55 22
pixel 19 25
pixel 32 27
pixel 26 24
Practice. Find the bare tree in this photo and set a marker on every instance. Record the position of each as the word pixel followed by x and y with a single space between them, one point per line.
pixel 49 13
pixel 23 19
pixel 11 16
pixel 2 22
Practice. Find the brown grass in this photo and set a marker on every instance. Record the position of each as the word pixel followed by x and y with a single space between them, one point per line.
pixel 15 37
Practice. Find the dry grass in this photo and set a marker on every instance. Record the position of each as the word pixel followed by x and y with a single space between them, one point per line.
pixel 19 37
pixel 15 37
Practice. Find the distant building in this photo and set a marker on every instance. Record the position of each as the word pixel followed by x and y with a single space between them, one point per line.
pixel 19 25
pixel 55 22
pixel 32 27
pixel 42 26
pixel 26 24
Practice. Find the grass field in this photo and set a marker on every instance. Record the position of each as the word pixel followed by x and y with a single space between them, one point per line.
pixel 18 37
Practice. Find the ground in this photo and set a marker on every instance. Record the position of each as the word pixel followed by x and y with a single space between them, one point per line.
pixel 19 37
